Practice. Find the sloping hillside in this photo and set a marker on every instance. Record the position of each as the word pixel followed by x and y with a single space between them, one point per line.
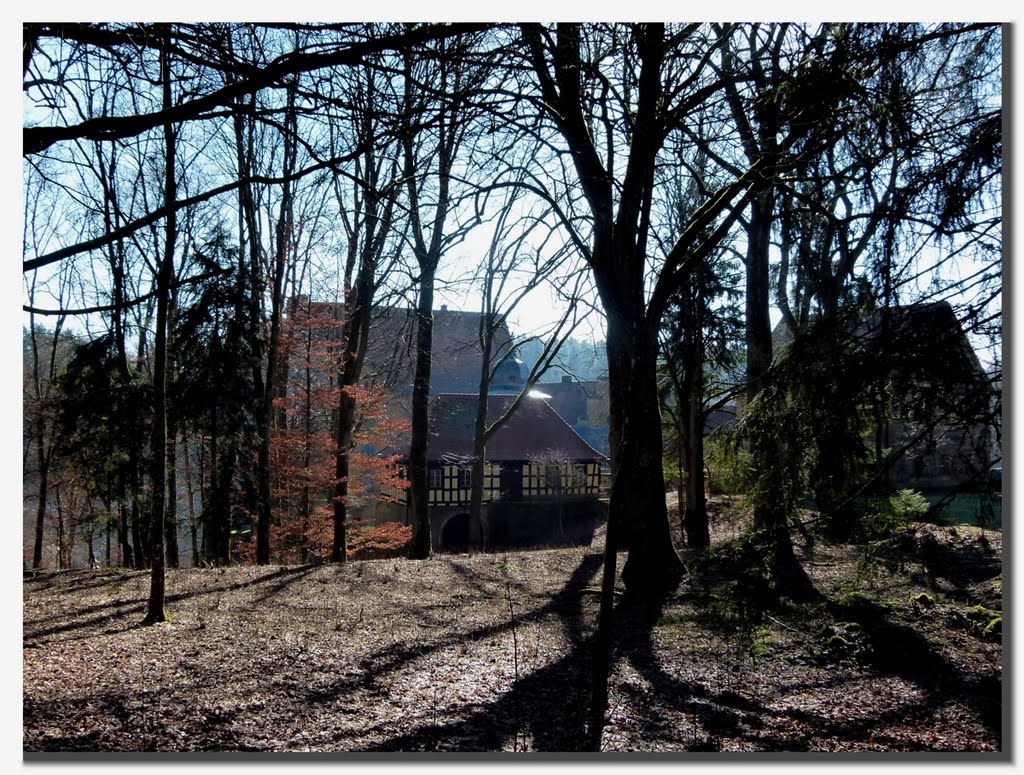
pixel 490 652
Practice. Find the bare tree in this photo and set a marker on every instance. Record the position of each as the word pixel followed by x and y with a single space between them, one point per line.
pixel 42 360
pixel 438 82
pixel 367 199
pixel 165 271
pixel 615 136
pixel 519 261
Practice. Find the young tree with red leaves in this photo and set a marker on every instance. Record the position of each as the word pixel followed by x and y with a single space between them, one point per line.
pixel 304 450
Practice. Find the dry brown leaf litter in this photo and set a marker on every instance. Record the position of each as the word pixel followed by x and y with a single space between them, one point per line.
pixel 393 655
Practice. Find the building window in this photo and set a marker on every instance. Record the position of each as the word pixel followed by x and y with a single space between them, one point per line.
pixel 492 481
pixel 465 477
pixel 553 476
pixel 579 478
pixel 434 478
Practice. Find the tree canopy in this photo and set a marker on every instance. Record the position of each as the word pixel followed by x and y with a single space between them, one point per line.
pixel 801 221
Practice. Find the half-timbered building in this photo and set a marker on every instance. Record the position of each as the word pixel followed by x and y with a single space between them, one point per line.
pixel 542 481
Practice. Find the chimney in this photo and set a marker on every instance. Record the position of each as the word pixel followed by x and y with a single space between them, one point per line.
pixel 444 307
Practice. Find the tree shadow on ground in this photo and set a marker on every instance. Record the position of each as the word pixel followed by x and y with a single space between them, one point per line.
pixel 895 649
pixel 720 714
pixel 135 731
pixel 898 649
pixel 41 580
pixel 479 578
pixel 112 616
pixel 546 707
pixel 544 710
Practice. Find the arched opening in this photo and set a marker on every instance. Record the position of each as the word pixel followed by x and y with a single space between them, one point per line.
pixel 455 534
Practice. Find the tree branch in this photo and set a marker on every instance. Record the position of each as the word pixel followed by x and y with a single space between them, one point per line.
pixel 126 304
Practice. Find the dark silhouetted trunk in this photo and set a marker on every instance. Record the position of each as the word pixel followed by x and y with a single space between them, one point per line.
pixel 620 218
pixel 42 442
pixel 171 523
pixel 190 493
pixel 307 451
pixel 477 530
pixel 165 272
pixel 695 515
pixel 361 268
pixel 44 475
pixel 270 383
pixel 428 241
pixel 421 543
pixel 139 553
pixel 346 423
pixel 217 512
pixel 639 510
pixel 758 325
pixel 356 331
pixel 108 548
pixel 127 552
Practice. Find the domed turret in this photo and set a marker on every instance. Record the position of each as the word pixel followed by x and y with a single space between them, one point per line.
pixel 509 376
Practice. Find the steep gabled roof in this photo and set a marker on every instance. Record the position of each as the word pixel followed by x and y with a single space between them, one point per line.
pixel 924 337
pixel 455 356
pixel 534 432
pixel 929 337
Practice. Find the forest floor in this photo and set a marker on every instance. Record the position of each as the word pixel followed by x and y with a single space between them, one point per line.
pixel 490 653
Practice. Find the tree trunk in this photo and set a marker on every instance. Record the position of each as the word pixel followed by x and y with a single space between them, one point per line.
pixel 307 448
pixel 421 544
pixel 695 517
pixel 139 540
pixel 44 475
pixel 90 539
pixel 107 548
pixel 476 533
pixel 270 383
pixel 758 326
pixel 681 458
pixel 618 262
pixel 217 530
pixel 190 493
pixel 638 504
pixel 127 553
pixel 250 286
pixel 476 475
pixel 769 520
pixel 165 273
pixel 60 530
pixel 42 456
pixel 171 524
pixel 356 332
pixel 346 423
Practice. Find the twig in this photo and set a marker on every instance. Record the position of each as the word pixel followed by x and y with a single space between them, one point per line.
pixel 783 624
